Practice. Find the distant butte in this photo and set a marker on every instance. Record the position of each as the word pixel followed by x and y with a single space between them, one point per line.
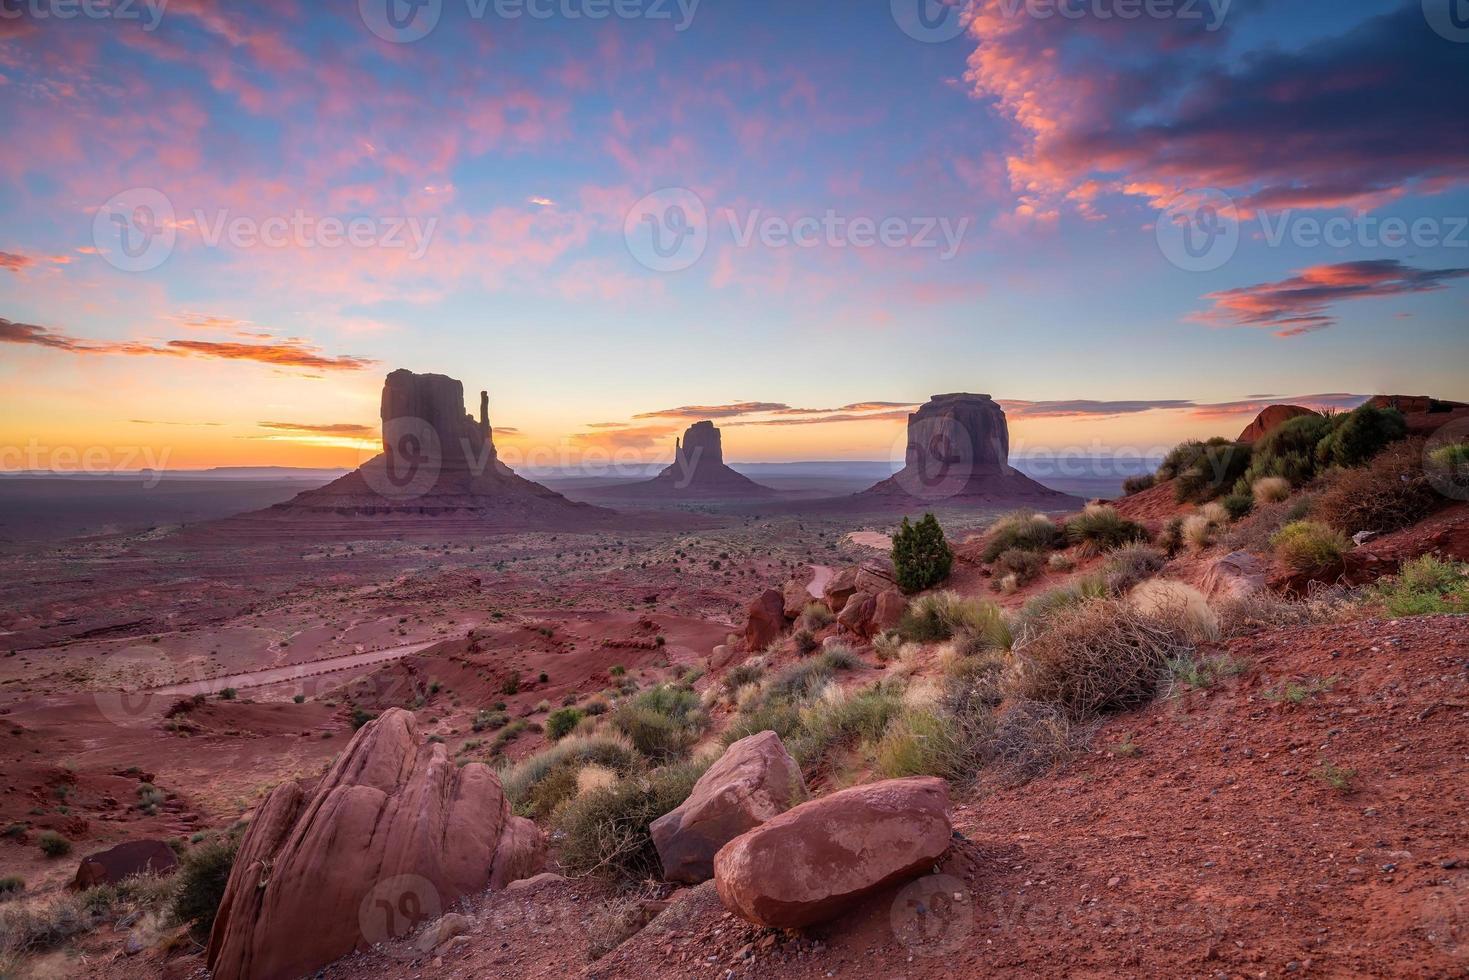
pixel 698 471
pixel 958 453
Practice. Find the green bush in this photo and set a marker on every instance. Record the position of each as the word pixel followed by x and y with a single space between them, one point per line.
pixel 663 722
pixel 1024 565
pixel 53 844
pixel 1287 451
pixel 1101 528
pixel 841 721
pixel 1309 546
pixel 12 885
pixel 1023 530
pixel 1203 471
pixel 1131 564
pixel 1425 586
pixel 1357 437
pixel 1389 493
pixel 944 615
pixel 1238 505
pixel 817 615
pixel 361 717
pixel 522 781
pixel 604 833
pixel 202 876
pixel 491 720
pixel 921 555
pixel 563 722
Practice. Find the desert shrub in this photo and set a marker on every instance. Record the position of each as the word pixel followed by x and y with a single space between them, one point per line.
pixel 1095 657
pixel 1131 564
pixel 1360 435
pixel 12 885
pixel 1202 471
pixel 926 742
pixel 1270 490
pixel 816 615
pixel 489 720
pixel 202 876
pixel 596 706
pixel 53 844
pixel 605 832
pixel 563 722
pixel 1171 539
pixel 1253 533
pixel 1199 532
pixel 29 927
pixel 944 615
pixel 921 555
pixel 1065 596
pixel 1309 545
pixel 1008 584
pixel 360 717
pixel 1179 607
pixel 1024 565
pixel 1288 452
pixel 738 676
pixel 1137 484
pixel 1031 738
pixel 767 714
pixel 804 679
pixel 1023 530
pixel 1390 493
pixel 1425 586
pixel 663 722
pixel 1452 460
pixel 1101 528
pixel 521 781
pixel 1060 562
pixel 1262 609
pixel 887 645
pixel 1237 505
pixel 837 720
pixel 805 642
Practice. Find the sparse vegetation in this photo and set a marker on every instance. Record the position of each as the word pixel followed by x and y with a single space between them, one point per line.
pixel 1301 691
pixel 1202 673
pixel 1023 566
pixel 1137 484
pixel 52 844
pixel 816 616
pixel 605 832
pixel 944 615
pixel 1101 528
pixel 1203 471
pixel 662 722
pixel 1335 776
pixel 1391 492
pixel 563 722
pixel 1309 546
pixel 921 554
pixel 202 876
pixel 1023 530
pixel 1270 490
pixel 1130 565
pixel 1426 586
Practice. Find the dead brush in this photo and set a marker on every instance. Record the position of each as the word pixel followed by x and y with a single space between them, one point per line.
pixel 1096 657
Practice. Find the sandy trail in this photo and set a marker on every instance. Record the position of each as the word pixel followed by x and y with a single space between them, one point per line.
pixel 276 675
pixel 871 539
pixel 817 588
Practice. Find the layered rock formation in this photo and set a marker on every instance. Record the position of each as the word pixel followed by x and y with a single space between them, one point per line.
pixel 958 453
pixel 394 834
pixel 438 462
pixel 1272 418
pixel 698 470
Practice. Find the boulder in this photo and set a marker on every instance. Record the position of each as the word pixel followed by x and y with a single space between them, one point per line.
pixel 841 587
pixel 816 860
pixel 857 615
pixel 446 928
pixel 797 597
pixel 393 834
pixel 754 780
pixel 891 605
pixel 135 857
pixel 1272 418
pixel 875 578
pixel 766 620
pixel 1236 574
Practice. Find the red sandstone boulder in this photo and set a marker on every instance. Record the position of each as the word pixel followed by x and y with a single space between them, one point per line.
pixel 1272 418
pixel 891 605
pixel 797 597
pixel 1236 574
pixel 875 578
pixel 766 620
pixel 810 863
pixel 136 857
pixel 857 615
pixel 754 780
pixel 843 586
pixel 391 837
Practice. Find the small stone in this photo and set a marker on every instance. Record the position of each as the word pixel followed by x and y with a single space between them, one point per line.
pixel 1114 881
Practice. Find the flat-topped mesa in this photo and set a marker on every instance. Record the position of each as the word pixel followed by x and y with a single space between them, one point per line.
pixel 701 445
pixel 959 447
pixel 420 409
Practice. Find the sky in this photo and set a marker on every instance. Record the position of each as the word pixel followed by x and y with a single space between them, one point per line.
pixel 1132 221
